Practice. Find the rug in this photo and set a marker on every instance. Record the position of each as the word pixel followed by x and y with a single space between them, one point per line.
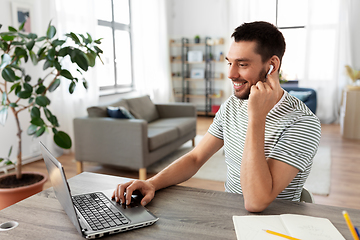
pixel 215 169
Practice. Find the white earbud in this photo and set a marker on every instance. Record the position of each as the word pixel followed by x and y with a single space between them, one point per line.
pixel 271 68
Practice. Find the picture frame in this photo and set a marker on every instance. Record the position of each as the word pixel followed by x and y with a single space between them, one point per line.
pixel 20 12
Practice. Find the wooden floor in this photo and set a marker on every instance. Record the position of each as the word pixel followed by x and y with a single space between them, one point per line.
pixel 345 182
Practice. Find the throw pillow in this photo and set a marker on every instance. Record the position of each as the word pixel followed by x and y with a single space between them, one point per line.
pixel 303 96
pixel 143 108
pixel 97 111
pixel 119 112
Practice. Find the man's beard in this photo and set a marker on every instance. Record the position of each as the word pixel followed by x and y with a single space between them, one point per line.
pixel 246 92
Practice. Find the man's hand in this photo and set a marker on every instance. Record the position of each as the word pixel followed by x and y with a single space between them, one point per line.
pixel 145 187
pixel 263 97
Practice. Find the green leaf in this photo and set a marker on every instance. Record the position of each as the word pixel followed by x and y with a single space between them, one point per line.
pixel 40 89
pixel 64 51
pixel 40 39
pixel 28 87
pixel 5 60
pixel 72 87
pixel 13 105
pixel 27 78
pixel 35 112
pixel 11 29
pixel 37 121
pixel 50 33
pixel 8 74
pixel 4 46
pixel 54 85
pixel 81 60
pixel 14 86
pixel 51 54
pixel 98 41
pixel 30 45
pixel 3 98
pixel 91 59
pixel 3 115
pixel 31 100
pixel 16 43
pixel 62 140
pixel 54 121
pixel 57 65
pixel 31 129
pixel 85 84
pixel 8 37
pixel 55 131
pixel 17 89
pixel 24 94
pixel 41 50
pixel 48 114
pixel 89 37
pixel 22 25
pixel 65 73
pixel 40 131
pixel 98 50
pixel 73 37
pixel 47 64
pixel 33 57
pixel 57 42
pixel 32 36
pixel 9 154
pixel 42 101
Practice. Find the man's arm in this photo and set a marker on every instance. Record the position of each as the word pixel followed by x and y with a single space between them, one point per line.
pixel 262 179
pixel 179 171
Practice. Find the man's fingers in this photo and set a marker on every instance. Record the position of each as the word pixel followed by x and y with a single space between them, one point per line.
pixel 272 81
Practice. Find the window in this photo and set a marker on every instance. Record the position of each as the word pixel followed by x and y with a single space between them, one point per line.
pixel 291 18
pixel 114 24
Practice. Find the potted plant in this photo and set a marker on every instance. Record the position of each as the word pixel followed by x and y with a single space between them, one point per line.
pixel 197 39
pixel 19 92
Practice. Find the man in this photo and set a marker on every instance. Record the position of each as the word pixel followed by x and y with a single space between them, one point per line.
pixel 269 137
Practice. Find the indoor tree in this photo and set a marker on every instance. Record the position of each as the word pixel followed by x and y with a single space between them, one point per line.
pixel 20 92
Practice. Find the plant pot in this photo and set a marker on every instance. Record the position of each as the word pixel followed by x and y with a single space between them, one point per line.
pixel 11 196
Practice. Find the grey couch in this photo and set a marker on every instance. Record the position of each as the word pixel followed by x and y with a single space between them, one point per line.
pixel 152 132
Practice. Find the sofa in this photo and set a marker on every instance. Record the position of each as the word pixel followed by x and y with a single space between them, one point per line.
pixel 133 133
pixel 307 95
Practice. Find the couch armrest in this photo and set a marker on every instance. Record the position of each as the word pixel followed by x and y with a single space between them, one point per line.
pixel 122 142
pixel 172 110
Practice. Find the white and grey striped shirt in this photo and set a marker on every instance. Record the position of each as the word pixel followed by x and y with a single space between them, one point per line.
pixel 292 135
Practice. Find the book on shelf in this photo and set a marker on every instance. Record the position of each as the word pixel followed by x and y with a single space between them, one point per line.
pixel 253 227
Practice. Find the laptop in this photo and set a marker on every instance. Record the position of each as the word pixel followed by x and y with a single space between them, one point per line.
pixel 95 214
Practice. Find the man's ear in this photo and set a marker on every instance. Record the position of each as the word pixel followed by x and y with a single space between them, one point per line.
pixel 275 61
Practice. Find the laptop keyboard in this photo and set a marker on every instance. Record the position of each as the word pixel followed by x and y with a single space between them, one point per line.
pixel 94 207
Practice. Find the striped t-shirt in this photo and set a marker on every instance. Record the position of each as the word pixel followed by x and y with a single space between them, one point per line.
pixel 292 135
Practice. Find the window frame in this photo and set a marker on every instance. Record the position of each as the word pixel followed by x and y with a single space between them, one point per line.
pixel 284 28
pixel 116 26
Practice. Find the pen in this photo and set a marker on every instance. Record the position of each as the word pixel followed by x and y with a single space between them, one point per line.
pixel 281 235
pixel 350 225
pixel 357 231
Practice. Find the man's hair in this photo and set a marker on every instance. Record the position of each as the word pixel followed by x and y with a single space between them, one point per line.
pixel 269 39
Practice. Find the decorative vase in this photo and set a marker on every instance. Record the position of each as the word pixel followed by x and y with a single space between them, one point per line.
pixel 9 196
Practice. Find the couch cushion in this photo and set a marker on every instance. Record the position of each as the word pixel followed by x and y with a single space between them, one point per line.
pixel 301 95
pixel 158 137
pixel 101 111
pixel 183 125
pixel 97 111
pixel 119 112
pixel 143 108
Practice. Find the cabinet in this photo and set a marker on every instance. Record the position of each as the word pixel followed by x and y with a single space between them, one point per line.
pixel 197 73
pixel 350 114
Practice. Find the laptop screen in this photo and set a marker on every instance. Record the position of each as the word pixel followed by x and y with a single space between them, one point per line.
pixel 59 183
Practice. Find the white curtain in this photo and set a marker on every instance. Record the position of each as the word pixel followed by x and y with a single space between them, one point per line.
pixel 150 41
pixel 78 17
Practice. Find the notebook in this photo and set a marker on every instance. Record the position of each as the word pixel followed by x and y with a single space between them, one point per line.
pixel 95 214
pixel 297 226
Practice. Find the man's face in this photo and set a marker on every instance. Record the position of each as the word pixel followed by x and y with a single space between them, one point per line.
pixel 245 67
